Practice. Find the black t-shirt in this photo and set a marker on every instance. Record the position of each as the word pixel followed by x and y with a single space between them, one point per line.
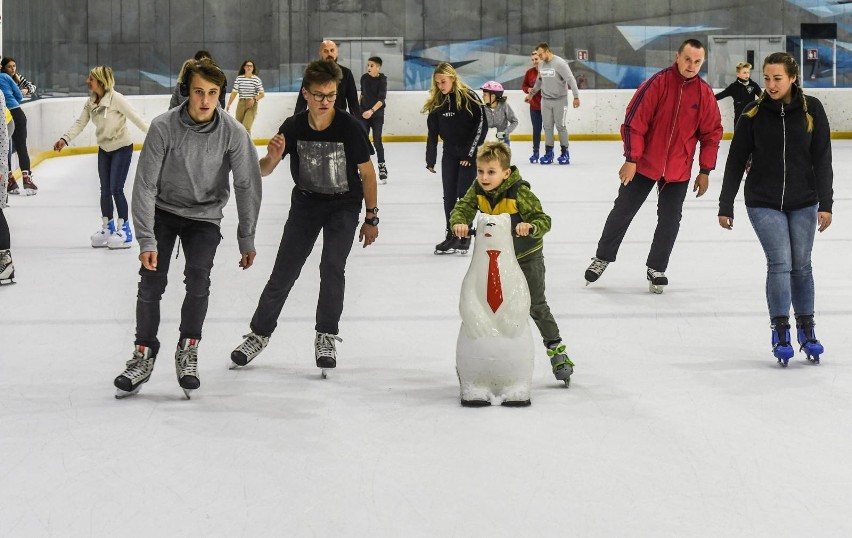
pixel 326 162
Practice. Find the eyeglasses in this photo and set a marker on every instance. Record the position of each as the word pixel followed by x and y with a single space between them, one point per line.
pixel 320 97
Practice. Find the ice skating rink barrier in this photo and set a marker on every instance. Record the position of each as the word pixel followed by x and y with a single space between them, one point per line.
pixel 598 118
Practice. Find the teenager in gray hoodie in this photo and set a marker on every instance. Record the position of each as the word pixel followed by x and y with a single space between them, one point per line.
pixel 554 79
pixel 180 190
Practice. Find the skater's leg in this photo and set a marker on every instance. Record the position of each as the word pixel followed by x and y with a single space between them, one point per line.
pixel 199 241
pixel 560 120
pixel 450 170
pixel 378 124
pixel 19 137
pixel 803 225
pixel 669 211
pixel 535 119
pixel 534 270
pixel 249 117
pixel 772 229
pixel 548 120
pixel 105 159
pixel 5 237
pixel 300 233
pixel 153 283
pixel 630 198
pixel 119 166
pixel 338 236
pixel 240 114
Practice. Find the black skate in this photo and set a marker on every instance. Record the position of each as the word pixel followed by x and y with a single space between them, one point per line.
pixel 448 245
pixel 595 270
pixel 7 268
pixel 325 352
pixel 186 365
pixel 463 245
pixel 138 371
pixel 657 280
pixel 383 173
pixel 248 350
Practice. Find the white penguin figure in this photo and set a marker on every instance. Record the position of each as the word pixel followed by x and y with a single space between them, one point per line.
pixel 494 352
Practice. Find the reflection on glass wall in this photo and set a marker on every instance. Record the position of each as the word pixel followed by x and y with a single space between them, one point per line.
pixel 609 44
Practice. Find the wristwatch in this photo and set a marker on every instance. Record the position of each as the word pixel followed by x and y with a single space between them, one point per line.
pixel 374 211
pixel 372 221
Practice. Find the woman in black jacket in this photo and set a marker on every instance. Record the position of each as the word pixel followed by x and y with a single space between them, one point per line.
pixel 456 114
pixel 788 195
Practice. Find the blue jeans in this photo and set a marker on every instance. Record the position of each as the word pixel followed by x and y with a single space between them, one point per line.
pixel 112 169
pixel 787 238
pixel 535 119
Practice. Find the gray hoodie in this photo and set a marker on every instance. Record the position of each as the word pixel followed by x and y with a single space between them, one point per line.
pixel 183 169
pixel 554 79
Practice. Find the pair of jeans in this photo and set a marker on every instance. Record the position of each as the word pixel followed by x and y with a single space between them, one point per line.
pixel 533 269
pixel 535 118
pixel 670 197
pixel 337 217
pixel 787 238
pixel 112 171
pixel 456 180
pixel 200 240
pixel 376 123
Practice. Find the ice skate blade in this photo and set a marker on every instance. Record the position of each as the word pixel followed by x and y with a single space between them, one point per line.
pixel 122 246
pixel 233 365
pixel 188 393
pixel 463 252
pixel 813 359
pixel 475 403
pixel 516 403
pixel 655 288
pixel 442 252
pixel 7 282
pixel 30 192
pixel 121 394
pixel 324 373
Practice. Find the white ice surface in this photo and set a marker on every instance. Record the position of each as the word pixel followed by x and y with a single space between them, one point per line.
pixel 677 423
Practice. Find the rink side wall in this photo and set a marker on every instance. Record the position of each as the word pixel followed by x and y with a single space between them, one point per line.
pixel 598 118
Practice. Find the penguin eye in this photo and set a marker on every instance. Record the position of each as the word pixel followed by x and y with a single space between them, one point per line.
pixel 491 224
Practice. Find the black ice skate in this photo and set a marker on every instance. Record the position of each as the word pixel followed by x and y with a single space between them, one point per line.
pixel 7 268
pixel 325 352
pixel 448 245
pixel 186 365
pixel 595 270
pixel 248 350
pixel 383 173
pixel 657 280
pixel 463 245
pixel 138 371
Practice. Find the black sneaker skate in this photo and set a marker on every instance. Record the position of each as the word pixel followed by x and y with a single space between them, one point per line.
pixel 383 173
pixel 138 371
pixel 657 280
pixel 595 270
pixel 186 365
pixel 248 350
pixel 7 268
pixel 326 352
pixel 448 245
pixel 559 361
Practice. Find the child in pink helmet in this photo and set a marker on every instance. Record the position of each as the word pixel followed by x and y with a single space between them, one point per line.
pixel 500 115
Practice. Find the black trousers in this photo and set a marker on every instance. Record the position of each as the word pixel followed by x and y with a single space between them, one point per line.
pixel 337 218
pixel 670 197
pixel 199 240
pixel 5 238
pixel 19 138
pixel 376 123
pixel 457 179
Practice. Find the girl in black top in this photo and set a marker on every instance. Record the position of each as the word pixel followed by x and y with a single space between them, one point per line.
pixel 456 114
pixel 788 195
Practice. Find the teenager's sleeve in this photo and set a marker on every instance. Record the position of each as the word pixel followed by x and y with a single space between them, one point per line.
pixel 383 90
pixel 247 189
pixel 638 118
pixel 78 126
pixel 465 208
pixel 529 206
pixel 431 139
pixel 727 92
pixel 130 113
pixel 145 189
pixel 709 131
pixel 565 72
pixel 513 119
pixel 480 130
pixel 821 155
pixel 738 155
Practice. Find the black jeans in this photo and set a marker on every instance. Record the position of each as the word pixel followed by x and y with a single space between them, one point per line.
pixel 5 238
pixel 337 218
pixel 19 138
pixel 630 199
pixel 535 119
pixel 376 123
pixel 200 240
pixel 457 179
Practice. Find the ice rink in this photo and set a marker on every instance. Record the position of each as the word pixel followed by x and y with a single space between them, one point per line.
pixel 678 421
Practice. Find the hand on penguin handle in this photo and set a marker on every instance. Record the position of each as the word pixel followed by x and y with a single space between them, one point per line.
pixel 523 229
pixel 461 230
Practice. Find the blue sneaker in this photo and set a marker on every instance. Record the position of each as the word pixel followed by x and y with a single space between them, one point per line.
pixel 565 158
pixel 547 158
pixel 534 157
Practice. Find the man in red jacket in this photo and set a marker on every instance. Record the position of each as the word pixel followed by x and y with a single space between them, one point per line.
pixel 668 116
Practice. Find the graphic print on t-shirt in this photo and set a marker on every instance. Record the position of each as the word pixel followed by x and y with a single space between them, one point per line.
pixel 322 167
pixel 547 72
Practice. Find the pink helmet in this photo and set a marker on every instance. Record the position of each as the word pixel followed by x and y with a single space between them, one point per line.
pixel 492 86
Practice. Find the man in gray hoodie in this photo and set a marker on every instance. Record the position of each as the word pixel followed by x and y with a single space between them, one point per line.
pixel 180 190
pixel 554 79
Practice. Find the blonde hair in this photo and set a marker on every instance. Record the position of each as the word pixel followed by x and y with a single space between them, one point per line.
pixel 460 91
pixel 791 67
pixel 103 74
pixel 495 151
pixel 742 65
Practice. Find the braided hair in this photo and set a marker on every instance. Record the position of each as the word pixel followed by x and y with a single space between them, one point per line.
pixel 791 67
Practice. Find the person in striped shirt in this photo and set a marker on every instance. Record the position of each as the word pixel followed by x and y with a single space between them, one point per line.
pixel 249 88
